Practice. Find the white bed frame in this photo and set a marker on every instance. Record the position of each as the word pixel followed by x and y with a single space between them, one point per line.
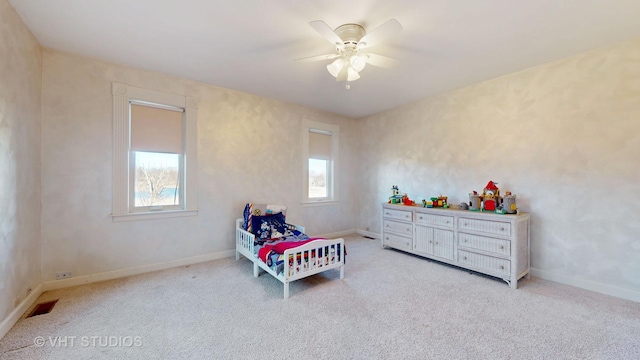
pixel 292 272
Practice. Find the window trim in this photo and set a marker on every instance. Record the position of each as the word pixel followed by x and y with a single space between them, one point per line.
pixel 123 95
pixel 332 173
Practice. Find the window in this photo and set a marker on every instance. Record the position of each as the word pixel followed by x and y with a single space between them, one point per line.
pixel 320 149
pixel 154 154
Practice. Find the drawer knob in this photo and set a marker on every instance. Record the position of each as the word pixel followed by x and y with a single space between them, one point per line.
pixel 465 258
pixel 447 221
pixel 502 267
pixel 501 247
pixel 501 229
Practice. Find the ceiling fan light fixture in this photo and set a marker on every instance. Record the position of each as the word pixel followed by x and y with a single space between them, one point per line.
pixel 358 62
pixel 352 74
pixel 349 39
pixel 335 67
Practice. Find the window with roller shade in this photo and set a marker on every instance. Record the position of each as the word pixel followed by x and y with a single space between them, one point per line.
pixel 320 142
pixel 154 154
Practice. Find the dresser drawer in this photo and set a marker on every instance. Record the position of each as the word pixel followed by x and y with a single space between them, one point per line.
pixel 398 227
pixel 397 241
pixel 490 264
pixel 485 226
pixel 397 214
pixel 430 219
pixel 497 246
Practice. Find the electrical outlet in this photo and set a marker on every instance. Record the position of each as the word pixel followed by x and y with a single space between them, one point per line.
pixel 63 275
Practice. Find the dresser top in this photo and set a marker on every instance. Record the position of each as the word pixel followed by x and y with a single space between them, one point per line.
pixel 452 210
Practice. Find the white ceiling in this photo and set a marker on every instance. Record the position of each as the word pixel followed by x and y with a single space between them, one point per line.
pixel 250 45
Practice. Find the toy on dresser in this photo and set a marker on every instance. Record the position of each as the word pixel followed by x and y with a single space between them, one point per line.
pixel 439 202
pixel 509 203
pixel 490 200
pixel 397 198
pixel 491 197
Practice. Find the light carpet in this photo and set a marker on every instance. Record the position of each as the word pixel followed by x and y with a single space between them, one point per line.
pixel 390 305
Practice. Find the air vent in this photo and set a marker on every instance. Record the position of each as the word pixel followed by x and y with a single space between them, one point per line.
pixel 43 308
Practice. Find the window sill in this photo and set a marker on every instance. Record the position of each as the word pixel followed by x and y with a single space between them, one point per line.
pixel 320 203
pixel 152 215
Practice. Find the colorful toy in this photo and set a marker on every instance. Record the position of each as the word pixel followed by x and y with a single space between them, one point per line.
pixel 408 201
pixel 427 204
pixel 491 197
pixel 490 200
pixel 440 201
pixel 509 203
pixel 475 201
pixel 396 198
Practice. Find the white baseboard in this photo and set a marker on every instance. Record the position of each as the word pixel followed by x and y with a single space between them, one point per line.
pixel 336 235
pixel 627 294
pixel 115 274
pixel 369 234
pixel 17 313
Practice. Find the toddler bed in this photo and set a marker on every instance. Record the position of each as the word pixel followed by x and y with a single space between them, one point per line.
pixel 283 250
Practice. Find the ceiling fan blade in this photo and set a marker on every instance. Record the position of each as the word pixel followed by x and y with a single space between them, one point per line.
pixel 380 33
pixel 318 58
pixel 381 61
pixel 328 33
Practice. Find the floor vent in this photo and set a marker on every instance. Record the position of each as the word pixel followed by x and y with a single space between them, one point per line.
pixel 43 308
pixel 369 237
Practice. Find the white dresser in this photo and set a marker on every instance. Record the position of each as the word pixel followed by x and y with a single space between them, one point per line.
pixel 486 242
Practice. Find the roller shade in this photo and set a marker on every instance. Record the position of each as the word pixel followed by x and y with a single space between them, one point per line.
pixel 319 145
pixel 156 130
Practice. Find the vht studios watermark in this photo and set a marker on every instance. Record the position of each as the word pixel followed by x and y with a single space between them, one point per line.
pixel 88 341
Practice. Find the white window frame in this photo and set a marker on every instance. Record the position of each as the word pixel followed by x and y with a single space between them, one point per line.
pixel 332 170
pixel 123 95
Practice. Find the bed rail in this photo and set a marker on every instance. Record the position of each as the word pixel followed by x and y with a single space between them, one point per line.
pixel 305 260
pixel 312 258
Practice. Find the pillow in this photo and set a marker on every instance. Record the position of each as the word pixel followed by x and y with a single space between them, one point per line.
pixel 260 210
pixel 269 226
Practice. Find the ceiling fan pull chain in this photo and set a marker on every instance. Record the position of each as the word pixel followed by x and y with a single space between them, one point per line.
pixel 347 86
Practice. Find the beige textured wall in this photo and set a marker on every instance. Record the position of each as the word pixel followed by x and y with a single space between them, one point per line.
pixel 248 150
pixel 20 98
pixel 564 137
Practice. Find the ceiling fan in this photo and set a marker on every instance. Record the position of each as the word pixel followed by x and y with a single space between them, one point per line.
pixel 352 43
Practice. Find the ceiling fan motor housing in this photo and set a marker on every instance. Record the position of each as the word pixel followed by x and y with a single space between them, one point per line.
pixel 350 34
